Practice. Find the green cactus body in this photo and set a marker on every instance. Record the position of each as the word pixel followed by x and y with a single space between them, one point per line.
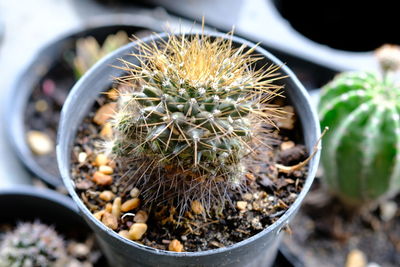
pixel 190 114
pixel 361 155
pixel 32 244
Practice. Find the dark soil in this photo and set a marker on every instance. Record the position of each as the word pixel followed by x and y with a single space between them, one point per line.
pixel 53 90
pixel 270 196
pixel 324 232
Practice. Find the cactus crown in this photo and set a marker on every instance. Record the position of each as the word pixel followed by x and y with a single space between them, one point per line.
pixel 190 113
pixel 32 244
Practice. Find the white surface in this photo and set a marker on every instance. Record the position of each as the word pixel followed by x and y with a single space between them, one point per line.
pixel 28 24
pixel 259 20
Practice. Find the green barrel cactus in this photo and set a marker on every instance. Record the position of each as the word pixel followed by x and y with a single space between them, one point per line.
pixel 361 156
pixel 189 116
pixel 32 244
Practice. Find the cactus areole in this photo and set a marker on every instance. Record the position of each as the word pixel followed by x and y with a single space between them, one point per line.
pixel 361 156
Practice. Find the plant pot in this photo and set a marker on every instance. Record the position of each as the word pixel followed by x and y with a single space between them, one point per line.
pixel 342 26
pixel 28 204
pixel 258 250
pixel 50 63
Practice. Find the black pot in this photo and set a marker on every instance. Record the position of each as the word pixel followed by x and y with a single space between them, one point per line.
pixel 49 62
pixel 258 250
pixel 27 203
pixel 344 25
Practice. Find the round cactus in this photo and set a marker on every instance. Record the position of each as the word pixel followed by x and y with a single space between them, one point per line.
pixel 32 244
pixel 189 115
pixel 361 156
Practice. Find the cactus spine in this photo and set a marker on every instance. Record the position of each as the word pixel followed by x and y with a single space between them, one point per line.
pixel 361 157
pixel 189 116
pixel 32 244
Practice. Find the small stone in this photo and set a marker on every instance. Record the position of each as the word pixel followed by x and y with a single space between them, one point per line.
pixel 287 145
pixel 247 196
pixel 106 195
pixel 130 204
pixel 388 210
pixel 40 143
pixel 356 258
pixel 108 207
pixel 373 264
pixel 82 157
pixel 106 169
pixel 250 176
pixel 124 233
pixel 104 113
pixel 134 192
pixel 110 220
pixel 197 208
pixel 106 132
pixel 101 159
pixel 137 231
pixel 241 205
pixel 141 216
pixel 41 105
pixel 98 215
pixel 102 179
pixel 116 207
pixel 84 184
pixel 175 245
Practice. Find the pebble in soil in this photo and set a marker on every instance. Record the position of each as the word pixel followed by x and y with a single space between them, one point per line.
pixel 161 226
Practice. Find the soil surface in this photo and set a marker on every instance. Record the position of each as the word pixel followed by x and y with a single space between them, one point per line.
pixel 324 233
pixel 271 193
pixel 43 109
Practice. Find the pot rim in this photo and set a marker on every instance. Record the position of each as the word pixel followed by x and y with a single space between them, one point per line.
pixel 42 193
pixel 17 100
pixel 283 220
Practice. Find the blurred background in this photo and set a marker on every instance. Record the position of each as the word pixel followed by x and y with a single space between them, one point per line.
pixel 39 51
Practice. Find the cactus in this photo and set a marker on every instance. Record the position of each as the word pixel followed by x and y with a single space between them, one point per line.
pixel 89 51
pixel 361 158
pixel 32 244
pixel 189 116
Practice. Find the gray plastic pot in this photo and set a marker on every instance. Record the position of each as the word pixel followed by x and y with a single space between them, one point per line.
pixel 49 61
pixel 258 250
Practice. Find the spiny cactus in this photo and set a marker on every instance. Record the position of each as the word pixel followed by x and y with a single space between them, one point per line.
pixel 89 51
pixel 32 244
pixel 361 158
pixel 189 115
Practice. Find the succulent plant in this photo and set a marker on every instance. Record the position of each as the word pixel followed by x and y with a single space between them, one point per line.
pixel 361 158
pixel 89 51
pixel 32 244
pixel 189 115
